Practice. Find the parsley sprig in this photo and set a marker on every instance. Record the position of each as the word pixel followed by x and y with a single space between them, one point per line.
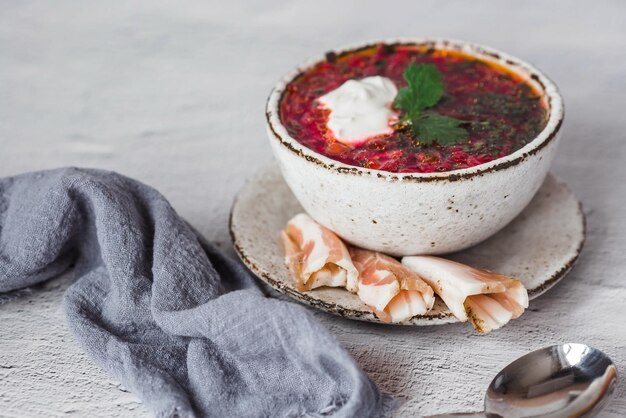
pixel 424 90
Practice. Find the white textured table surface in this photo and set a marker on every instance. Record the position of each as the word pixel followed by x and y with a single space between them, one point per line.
pixel 173 95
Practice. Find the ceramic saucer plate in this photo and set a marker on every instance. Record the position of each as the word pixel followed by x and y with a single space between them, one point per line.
pixel 539 247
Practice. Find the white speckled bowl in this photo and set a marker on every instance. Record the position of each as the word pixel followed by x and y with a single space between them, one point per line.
pixel 418 213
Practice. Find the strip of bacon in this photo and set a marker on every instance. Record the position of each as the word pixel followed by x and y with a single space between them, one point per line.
pixel 316 256
pixel 391 290
pixel 488 300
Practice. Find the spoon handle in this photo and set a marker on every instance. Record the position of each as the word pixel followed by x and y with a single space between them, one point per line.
pixel 459 415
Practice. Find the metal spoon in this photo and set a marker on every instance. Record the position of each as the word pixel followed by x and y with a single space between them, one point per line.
pixel 567 380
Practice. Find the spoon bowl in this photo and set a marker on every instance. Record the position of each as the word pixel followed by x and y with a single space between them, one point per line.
pixel 565 380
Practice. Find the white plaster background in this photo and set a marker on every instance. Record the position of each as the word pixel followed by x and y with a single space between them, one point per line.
pixel 173 94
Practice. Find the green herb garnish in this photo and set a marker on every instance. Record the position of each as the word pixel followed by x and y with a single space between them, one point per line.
pixel 424 90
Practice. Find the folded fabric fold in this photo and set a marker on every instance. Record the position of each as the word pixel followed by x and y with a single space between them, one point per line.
pixel 183 326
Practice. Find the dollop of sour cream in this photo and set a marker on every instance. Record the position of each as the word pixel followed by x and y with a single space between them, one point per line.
pixel 360 109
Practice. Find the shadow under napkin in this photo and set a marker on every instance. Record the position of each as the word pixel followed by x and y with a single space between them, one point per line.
pixel 183 326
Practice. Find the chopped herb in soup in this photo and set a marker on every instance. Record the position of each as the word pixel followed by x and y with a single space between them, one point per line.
pixel 456 111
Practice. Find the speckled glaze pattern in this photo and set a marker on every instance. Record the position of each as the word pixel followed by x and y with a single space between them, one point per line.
pixel 540 246
pixel 418 213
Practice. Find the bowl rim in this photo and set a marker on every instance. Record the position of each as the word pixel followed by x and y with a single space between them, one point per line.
pixel 555 114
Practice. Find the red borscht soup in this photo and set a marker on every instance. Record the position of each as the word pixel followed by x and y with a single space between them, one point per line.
pixel 500 111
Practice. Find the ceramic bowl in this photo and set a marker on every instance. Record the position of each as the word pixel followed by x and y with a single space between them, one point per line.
pixel 418 213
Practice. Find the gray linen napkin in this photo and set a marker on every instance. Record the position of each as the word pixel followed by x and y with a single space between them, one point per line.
pixel 181 325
